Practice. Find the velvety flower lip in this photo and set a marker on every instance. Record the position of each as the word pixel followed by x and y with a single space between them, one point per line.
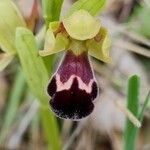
pixel 73 88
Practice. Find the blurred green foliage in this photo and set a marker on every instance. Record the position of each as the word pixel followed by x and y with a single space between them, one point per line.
pixel 130 131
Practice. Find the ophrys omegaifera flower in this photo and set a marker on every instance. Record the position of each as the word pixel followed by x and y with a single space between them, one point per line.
pixel 73 87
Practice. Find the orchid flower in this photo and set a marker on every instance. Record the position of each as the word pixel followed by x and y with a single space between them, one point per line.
pixel 73 88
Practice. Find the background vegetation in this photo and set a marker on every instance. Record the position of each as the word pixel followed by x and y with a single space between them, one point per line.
pixel 26 121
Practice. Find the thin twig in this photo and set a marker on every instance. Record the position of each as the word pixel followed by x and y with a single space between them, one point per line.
pixel 127 112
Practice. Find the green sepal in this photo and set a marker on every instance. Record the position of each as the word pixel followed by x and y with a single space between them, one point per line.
pixel 10 19
pixel 54 44
pixel 81 25
pixel 100 49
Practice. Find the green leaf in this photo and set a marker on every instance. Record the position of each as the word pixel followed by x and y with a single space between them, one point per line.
pixel 133 105
pixel 51 10
pixel 5 59
pixel 15 96
pixel 37 78
pixel 92 6
pixel 28 54
pixel 10 19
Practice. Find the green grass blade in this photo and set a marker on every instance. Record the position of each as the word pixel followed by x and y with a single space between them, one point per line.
pixel 92 6
pixel 13 103
pixel 133 105
pixel 37 78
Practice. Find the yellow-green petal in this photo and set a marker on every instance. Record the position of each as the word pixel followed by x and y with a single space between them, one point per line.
pixel 54 45
pixel 49 43
pixel 100 49
pixel 10 19
pixel 81 25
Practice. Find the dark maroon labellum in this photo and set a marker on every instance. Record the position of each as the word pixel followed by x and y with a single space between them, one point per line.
pixel 73 87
